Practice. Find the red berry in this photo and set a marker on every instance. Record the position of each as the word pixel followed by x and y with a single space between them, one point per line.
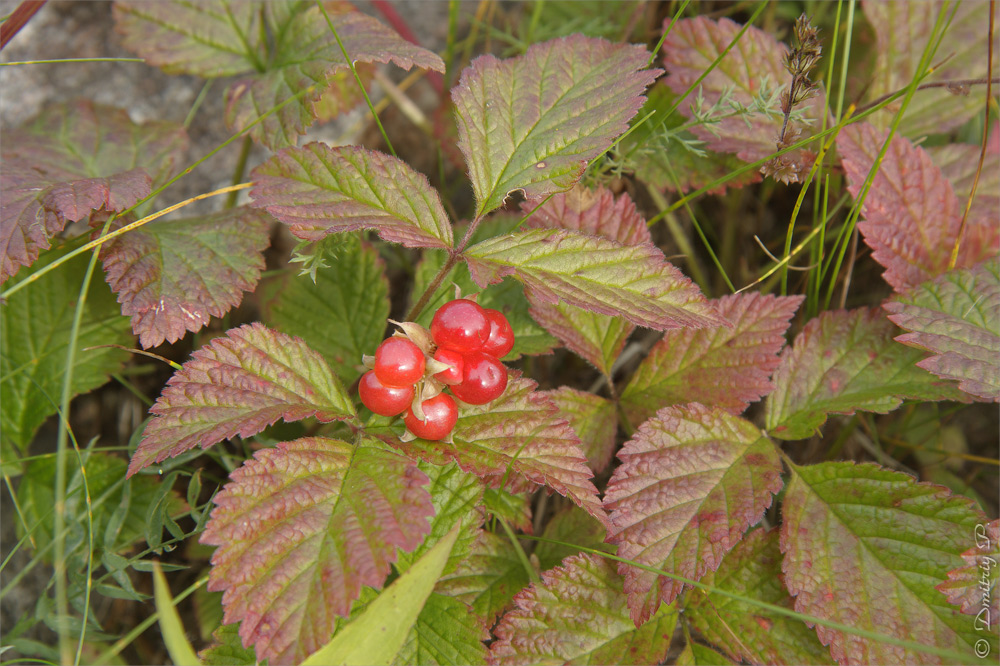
pixel 484 378
pixel 501 339
pixel 382 399
pixel 461 326
pixel 440 414
pixel 454 359
pixel 399 362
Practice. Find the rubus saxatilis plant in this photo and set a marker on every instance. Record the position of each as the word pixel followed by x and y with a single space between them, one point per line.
pixel 705 530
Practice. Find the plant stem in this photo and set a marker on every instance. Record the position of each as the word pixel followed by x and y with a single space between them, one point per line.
pixel 241 166
pixel 17 20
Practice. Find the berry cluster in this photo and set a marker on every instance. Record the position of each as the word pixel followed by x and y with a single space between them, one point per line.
pixel 462 352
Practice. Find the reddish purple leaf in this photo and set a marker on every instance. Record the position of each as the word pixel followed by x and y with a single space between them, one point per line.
pixel 72 160
pixel 300 529
pixel 577 614
pixel 864 546
pixel 595 421
pixel 521 436
pixel 957 316
pixel 845 361
pixel 532 123
pixel 958 163
pixel 751 68
pixel 171 277
pixel 976 585
pixel 238 385
pixel 596 274
pixel 719 367
pixel 692 480
pixel 318 190
pixel 745 631
pixel 912 216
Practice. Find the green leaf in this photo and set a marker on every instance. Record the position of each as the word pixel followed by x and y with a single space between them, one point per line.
pixel 720 367
pixel 342 315
pixel 284 48
pixel 489 578
pixel 742 630
pixel 578 615
pixel 865 546
pixel 238 385
pixel 596 274
pixel 843 361
pixel 171 277
pixel 379 633
pixel 957 316
pixel 959 163
pixel 74 160
pixel 318 190
pixel 595 421
pixel 696 654
pixel 571 525
pixel 227 649
pixel 171 628
pixel 902 30
pixel 301 527
pixel 692 480
pixel 533 123
pixel 446 633
pixel 35 326
pixel 974 585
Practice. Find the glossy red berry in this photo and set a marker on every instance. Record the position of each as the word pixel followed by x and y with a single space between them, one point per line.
pixel 454 359
pixel 501 339
pixel 440 415
pixel 382 399
pixel 399 362
pixel 461 326
pixel 484 379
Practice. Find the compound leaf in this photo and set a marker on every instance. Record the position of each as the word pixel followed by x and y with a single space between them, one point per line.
pixel 957 316
pixel 72 160
pixel 532 123
pixel 739 97
pixel 865 546
pixel 342 315
pixel 516 438
pixel 912 216
pixel 594 419
pixel 489 578
pixel 974 585
pixel 747 632
pixel 318 190
pixel 35 325
pixel 720 367
pixel 594 273
pixel 171 277
pixel 844 361
pixel 692 480
pixel 902 31
pixel 578 614
pixel 238 385
pixel 300 528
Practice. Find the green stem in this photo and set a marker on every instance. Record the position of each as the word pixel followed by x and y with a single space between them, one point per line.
pixel 680 238
pixel 521 555
pixel 241 166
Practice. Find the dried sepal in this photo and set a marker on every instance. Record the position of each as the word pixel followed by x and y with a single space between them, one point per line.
pixel 417 334
pixel 368 361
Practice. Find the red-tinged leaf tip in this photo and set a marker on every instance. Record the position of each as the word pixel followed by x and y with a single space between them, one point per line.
pixel 596 274
pixel 864 546
pixel 719 367
pixel 844 361
pixel 692 480
pixel 238 385
pixel 318 190
pixel 595 212
pixel 300 528
pixel 532 123
pixel 578 614
pixel 172 277
pixel 912 216
pixel 521 436
pixel 974 587
pixel 957 317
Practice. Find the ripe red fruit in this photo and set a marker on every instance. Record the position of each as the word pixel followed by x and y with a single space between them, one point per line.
pixel 461 326
pixel 484 378
pixel 382 399
pixel 440 415
pixel 501 339
pixel 454 359
pixel 399 362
